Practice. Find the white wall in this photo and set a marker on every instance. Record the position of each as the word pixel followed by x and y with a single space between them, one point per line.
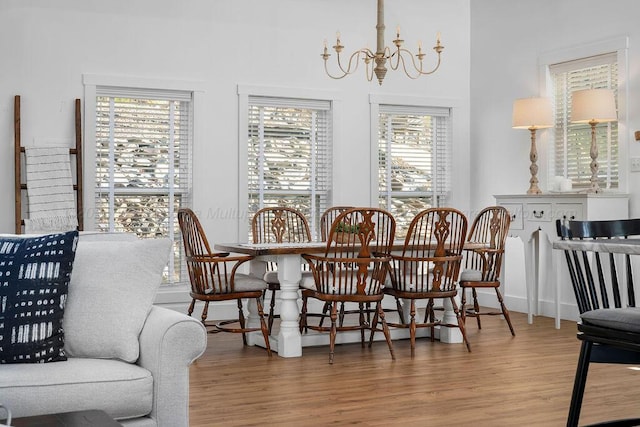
pixel 46 47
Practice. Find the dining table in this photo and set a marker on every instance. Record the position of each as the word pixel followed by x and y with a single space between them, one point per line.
pixel 289 341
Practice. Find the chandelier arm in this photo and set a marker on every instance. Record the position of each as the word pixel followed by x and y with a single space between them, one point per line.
pixel 417 69
pixel 355 55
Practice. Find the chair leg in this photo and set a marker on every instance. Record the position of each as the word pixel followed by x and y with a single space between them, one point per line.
pixel 205 312
pixel 400 311
pixel 241 320
pixel 460 324
pixel 272 309
pixel 431 319
pixel 333 331
pixel 412 326
pixel 579 383
pixel 505 312
pixel 374 325
pixel 303 315
pixel 325 309
pixel 385 329
pixel 463 301
pixel 362 323
pixel 263 326
pixel 476 306
pixel 191 307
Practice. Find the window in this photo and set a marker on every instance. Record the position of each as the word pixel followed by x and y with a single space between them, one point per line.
pixel 289 155
pixel 142 164
pixel 571 157
pixel 413 160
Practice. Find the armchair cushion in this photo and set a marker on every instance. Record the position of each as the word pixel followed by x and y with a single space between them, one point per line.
pixel 470 275
pixel 115 280
pixel 34 278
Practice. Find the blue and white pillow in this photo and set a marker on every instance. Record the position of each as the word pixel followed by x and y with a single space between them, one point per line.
pixel 34 280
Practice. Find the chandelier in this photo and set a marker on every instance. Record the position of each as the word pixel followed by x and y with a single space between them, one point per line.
pixel 397 57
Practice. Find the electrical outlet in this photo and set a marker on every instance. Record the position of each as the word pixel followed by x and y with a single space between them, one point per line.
pixel 635 164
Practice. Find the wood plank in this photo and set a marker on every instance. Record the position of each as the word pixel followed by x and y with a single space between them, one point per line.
pixel 524 380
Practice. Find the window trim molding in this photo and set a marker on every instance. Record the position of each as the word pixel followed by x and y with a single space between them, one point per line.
pixel 91 82
pixel 375 100
pixel 619 45
pixel 247 91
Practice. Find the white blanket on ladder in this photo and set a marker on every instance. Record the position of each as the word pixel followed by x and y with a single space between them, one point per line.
pixel 52 206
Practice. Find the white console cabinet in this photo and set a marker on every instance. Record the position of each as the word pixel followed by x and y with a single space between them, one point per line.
pixel 533 220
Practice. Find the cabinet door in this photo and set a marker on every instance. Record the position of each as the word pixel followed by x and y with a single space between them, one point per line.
pixel 515 210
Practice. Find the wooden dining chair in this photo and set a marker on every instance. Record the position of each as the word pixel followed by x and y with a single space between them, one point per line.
pixel 278 225
pixel 482 266
pixel 350 271
pixel 428 268
pixel 382 243
pixel 609 325
pixel 214 277
pixel 327 218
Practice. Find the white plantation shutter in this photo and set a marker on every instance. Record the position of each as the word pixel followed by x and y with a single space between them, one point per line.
pixel 414 160
pixel 143 164
pixel 571 156
pixel 289 155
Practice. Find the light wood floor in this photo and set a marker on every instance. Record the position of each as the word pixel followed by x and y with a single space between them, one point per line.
pixel 505 381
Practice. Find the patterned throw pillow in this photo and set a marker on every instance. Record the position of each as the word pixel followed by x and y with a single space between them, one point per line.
pixel 34 278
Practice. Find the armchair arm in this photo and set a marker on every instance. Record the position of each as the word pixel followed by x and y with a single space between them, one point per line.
pixel 169 342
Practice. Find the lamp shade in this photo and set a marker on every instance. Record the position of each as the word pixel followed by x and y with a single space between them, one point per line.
pixel 532 113
pixel 598 105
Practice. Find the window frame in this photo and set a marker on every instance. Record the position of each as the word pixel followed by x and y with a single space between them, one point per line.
pixel 419 103
pixel 619 46
pixel 245 92
pixel 91 84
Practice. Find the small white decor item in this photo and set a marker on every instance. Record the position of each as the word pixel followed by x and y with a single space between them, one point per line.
pixel 566 185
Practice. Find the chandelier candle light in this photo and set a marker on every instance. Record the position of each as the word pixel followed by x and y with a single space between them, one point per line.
pixel 532 114
pixel 593 106
pixel 382 55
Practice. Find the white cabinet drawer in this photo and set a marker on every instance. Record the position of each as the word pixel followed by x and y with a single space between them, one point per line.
pixel 538 212
pixel 515 210
pixel 569 211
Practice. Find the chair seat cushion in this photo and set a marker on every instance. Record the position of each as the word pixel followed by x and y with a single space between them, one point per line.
pixel 123 390
pixel 248 283
pixel 622 319
pixel 471 275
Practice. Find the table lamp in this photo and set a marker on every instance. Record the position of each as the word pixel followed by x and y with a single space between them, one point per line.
pixel 593 106
pixel 532 114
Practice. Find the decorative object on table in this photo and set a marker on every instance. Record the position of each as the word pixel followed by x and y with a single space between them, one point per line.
pixel 397 56
pixel 593 106
pixel 532 114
